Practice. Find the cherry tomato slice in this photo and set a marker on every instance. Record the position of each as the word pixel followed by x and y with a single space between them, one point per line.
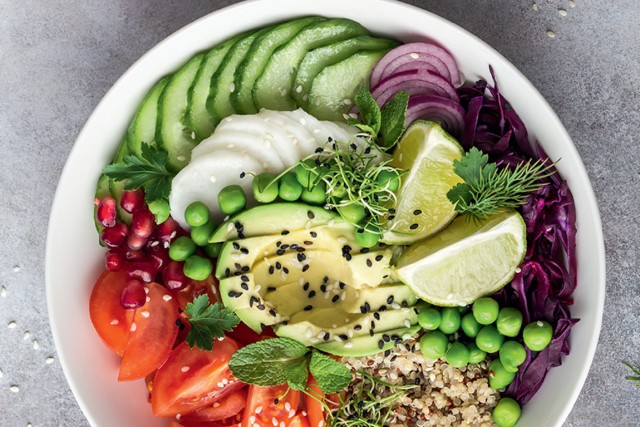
pixel 195 288
pixel 191 379
pixel 111 321
pixel 300 421
pixel 244 335
pixel 267 404
pixel 152 334
pixel 313 403
pixel 226 407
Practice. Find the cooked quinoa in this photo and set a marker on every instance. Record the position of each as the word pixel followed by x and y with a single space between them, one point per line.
pixel 442 395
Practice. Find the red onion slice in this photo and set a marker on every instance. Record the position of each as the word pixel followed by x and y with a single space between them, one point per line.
pixel 448 113
pixel 415 82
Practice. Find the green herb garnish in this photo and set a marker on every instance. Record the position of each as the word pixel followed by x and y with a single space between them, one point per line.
pixel 487 190
pixel 384 125
pixel 277 361
pixel 148 172
pixel 208 322
pixel 635 370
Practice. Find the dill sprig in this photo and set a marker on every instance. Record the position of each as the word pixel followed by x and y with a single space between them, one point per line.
pixel 635 370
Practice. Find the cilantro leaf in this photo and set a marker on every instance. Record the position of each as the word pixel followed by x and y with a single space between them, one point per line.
pixel 149 171
pixel 393 116
pixel 331 375
pixel 208 322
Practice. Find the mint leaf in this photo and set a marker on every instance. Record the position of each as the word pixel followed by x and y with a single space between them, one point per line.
pixel 393 116
pixel 208 322
pixel 297 374
pixel 331 375
pixel 265 362
pixel 370 114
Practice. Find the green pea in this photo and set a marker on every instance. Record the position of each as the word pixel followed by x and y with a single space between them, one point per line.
pixel 212 249
pixel 306 172
pixel 434 344
pixel 512 355
pixel 200 235
pixel 290 189
pixel 509 322
pixel 498 376
pixel 232 199
pixel 389 179
pixel 457 355
pixel 182 248
pixel 367 238
pixel 264 188
pixel 353 212
pixel 161 210
pixel 196 214
pixel 429 318
pixel 197 267
pixel 486 310
pixel 469 325
pixel 475 354
pixel 507 412
pixel 450 322
pixel 317 195
pixel 489 339
pixel 537 335
pixel 338 190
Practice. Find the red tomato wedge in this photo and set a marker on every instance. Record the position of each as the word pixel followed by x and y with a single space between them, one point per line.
pixel 191 379
pixel 244 335
pixel 195 288
pixel 110 320
pixel 269 404
pixel 313 403
pixel 226 407
pixel 152 334
pixel 299 421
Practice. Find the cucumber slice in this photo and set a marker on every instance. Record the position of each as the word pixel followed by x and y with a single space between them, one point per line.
pixel 172 132
pixel 116 188
pixel 222 82
pixel 198 118
pixel 256 59
pixel 143 125
pixel 272 90
pixel 333 90
pixel 316 60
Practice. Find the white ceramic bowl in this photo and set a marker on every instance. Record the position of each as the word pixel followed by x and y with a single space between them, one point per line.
pixel 73 257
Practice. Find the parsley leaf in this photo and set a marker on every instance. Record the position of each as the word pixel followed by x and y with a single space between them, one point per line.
pixel 331 375
pixel 148 171
pixel 393 115
pixel 208 322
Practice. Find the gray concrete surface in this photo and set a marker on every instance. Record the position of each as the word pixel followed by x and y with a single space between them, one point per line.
pixel 59 57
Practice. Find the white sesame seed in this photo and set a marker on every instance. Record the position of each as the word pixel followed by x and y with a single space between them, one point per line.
pixel 258 287
pixel 147 299
pixel 133 327
pixel 274 421
pixel 407 323
pixel 16 268
pixel 551 34
pixel 225 381
pixel 334 325
pixel 309 333
pixel 231 145
pixel 302 121
pixel 167 297
pixel 216 404
pixel 252 419
pixel 178 416
pixel 48 360
pixel 395 306
pixel 26 335
pixel 347 320
pixel 181 158
pixel 193 135
pixel 414 55
pixel 232 87
pixel 304 413
pixel 350 333
pixel 562 12
pixel 348 345
pixel 343 296
pixel 257 411
pixel 572 3
pixel 287 405
pixel 11 325
pixel 114 322
pixel 145 314
pixel 346 101
pixel 220 385
pixel 299 89
pixel 1 373
pixel 315 340
pixel 14 388
pixel 539 323
pixel 535 7
pixel 3 292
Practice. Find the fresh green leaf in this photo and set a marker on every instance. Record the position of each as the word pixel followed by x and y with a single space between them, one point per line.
pixel 635 370
pixel 208 322
pixel 297 374
pixel 370 114
pixel 331 375
pixel 393 116
pixel 470 166
pixel 149 172
pixel 265 362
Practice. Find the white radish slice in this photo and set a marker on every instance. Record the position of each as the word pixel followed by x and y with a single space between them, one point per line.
pixel 301 139
pixel 278 136
pixel 241 142
pixel 203 179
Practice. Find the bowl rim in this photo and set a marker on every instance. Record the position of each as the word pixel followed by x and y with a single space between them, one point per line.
pixel 329 7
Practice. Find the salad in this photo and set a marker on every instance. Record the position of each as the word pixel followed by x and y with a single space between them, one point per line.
pixel 310 225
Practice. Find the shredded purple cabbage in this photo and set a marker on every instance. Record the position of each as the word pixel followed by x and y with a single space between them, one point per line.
pixel 543 286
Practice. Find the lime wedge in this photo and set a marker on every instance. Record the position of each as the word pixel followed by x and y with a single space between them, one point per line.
pixel 466 261
pixel 427 152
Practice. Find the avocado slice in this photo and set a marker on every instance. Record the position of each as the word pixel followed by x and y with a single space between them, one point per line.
pixel 367 345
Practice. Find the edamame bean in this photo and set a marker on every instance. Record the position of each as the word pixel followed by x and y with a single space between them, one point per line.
pixel 498 376
pixel 507 412
pixel 486 310
pixel 352 212
pixel 509 322
pixel 450 321
pixel 264 188
pixel 289 188
pixel 197 267
pixel 212 249
pixel 469 325
pixel 433 345
pixel 429 318
pixel 196 214
pixel 537 335
pixel 232 199
pixel 457 355
pixel 338 190
pixel 388 179
pixel 200 235
pixel 512 355
pixel 306 172
pixel 182 248
pixel 489 339
pixel 317 195
pixel 366 238
pixel 475 354
pixel 160 209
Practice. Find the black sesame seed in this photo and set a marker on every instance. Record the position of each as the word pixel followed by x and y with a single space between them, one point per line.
pixel 308 242
pixel 306 286
pixel 308 308
pixel 312 294
pixel 387 353
pixel 343 337
pixel 242 174
pixel 326 336
pixel 261 307
pixel 272 269
pixel 237 273
pixel 376 316
pixel 280 252
pixel 301 257
pixel 278 243
pixel 393 359
pixel 278 265
pixel 241 235
pixel 263 327
pixel 362 309
pixel 253 300
pixel 238 226
pixel 286 270
pixel 238 294
pixel 236 246
pixel 371 332
pixel 293 246
pixel 276 401
pixel 347 256
pixel 417 212
pixel 392 217
pixel 272 312
pixel 386 338
pixel 335 298
pixel 413 226
pixel 271 288
pixel 285 232
pixel 383 308
pixel 313 234
pixel 404 304
pixel 357 328
pixel 380 344
pixel 319 150
pixel 237 266
pixel 285 246
pixel 227 273
pixel 367 306
pixel 244 286
pixel 300 249
pixel 325 279
pixel 392 211
pixel 379 258
pixel 369 263
pixel 305 268
pixel 231 294
pixel 416 381
pixel 390 300
pixel 179 324
pixel 342 285
pixel 245 269
pixel 285 322
pixel 373 324
pixel 310 215
pixel 323 288
pixel 244 278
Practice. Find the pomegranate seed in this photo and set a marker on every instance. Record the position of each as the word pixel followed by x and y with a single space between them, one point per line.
pixel 158 255
pixel 135 255
pixel 133 295
pixel 142 270
pixel 106 213
pixel 168 231
pixel 132 200
pixel 173 276
pixel 135 242
pixel 143 223
pixel 114 236
pixel 114 260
